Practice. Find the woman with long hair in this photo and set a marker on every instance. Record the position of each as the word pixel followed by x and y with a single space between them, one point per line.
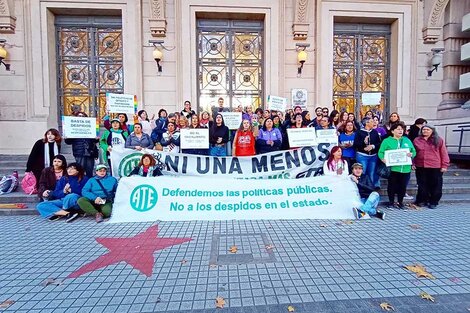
pixel 43 152
pixel 218 137
pixel 66 194
pixel 336 165
pixel 334 119
pixel 244 141
pixel 346 142
pixel 50 176
pixel 195 124
pixel 393 119
pixel 431 162
pixel 399 174
pixel 171 139
pixel 148 124
pixel 269 138
pixel 147 167
pixel 205 120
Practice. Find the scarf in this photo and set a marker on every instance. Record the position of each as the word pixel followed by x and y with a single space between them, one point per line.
pixel 47 155
pixel 149 171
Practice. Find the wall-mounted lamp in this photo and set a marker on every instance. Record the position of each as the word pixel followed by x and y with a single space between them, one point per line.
pixel 436 59
pixel 157 52
pixel 3 54
pixel 301 56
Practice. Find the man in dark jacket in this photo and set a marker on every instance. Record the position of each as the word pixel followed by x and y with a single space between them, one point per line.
pixel 369 197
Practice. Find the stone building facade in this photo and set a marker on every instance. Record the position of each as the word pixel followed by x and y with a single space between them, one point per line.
pixel 70 53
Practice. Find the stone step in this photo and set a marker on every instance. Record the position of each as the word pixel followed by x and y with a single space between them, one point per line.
pixel 448 189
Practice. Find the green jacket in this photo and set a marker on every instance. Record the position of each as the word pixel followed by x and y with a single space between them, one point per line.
pixel 105 141
pixel 391 143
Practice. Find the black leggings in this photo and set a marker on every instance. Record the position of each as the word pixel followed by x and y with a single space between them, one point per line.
pixel 397 185
pixel 429 185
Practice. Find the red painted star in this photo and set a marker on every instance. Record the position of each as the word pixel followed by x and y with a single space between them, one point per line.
pixel 136 251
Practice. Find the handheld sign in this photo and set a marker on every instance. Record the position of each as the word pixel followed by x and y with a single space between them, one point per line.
pixel 397 157
pixel 327 136
pixel 301 137
pixel 371 98
pixel 79 127
pixel 194 138
pixel 277 103
pixel 120 103
pixel 232 119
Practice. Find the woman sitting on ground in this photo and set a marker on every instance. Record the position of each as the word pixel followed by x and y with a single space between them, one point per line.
pixel 66 193
pixel 336 165
pixel 146 167
pixel 98 194
pixel 50 176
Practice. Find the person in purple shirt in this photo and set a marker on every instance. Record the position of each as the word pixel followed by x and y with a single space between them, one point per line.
pixel 269 138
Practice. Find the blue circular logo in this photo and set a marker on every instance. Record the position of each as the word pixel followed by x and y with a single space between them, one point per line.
pixel 143 198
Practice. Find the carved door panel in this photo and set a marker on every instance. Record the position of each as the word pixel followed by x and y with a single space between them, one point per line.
pixel 361 66
pixel 230 63
pixel 89 64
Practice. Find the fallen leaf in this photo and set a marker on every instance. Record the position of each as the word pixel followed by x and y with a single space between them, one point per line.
pixel 387 306
pixel 323 225
pixel 290 308
pixel 420 271
pixel 6 304
pixel 233 249
pixel 52 281
pixel 184 261
pixel 415 226
pixel 456 174
pixel 426 296
pixel 414 206
pixel 219 302
pixel 348 222
pixel 269 247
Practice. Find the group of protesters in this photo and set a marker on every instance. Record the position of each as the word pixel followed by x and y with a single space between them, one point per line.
pixel 68 191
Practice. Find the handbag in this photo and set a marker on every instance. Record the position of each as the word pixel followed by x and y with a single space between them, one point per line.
pixel 109 198
pixel 383 170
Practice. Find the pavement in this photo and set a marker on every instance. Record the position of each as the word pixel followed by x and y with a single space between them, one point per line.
pixel 248 266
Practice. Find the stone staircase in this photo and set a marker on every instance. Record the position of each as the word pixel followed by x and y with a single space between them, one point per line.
pixel 456 185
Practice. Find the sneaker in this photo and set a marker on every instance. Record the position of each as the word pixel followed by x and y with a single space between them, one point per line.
pixel 380 215
pixel 401 206
pixel 432 206
pixel 54 218
pixel 71 217
pixel 99 217
pixel 357 215
pixel 408 197
pixel 389 205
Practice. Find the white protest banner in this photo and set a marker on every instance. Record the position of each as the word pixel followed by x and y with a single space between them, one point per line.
pixel 371 98
pixel 299 98
pixel 294 163
pixel 277 103
pixel 397 157
pixel 232 119
pixel 148 199
pixel 120 103
pixel 194 138
pixel 327 135
pixel 79 127
pixel 301 137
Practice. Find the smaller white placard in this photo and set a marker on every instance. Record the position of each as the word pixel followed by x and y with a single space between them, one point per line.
pixel 194 138
pixel 371 98
pixel 277 103
pixel 79 127
pixel 232 119
pixel 299 98
pixel 121 103
pixel 327 136
pixel 301 137
pixel 397 157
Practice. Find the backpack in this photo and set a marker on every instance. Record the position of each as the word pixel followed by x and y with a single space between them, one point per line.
pixel 9 183
pixel 28 184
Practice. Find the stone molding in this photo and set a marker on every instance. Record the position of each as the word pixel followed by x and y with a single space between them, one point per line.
pixel 157 18
pixel 7 20
pixel 433 26
pixel 300 26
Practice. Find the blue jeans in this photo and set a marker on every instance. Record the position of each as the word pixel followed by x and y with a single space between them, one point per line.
pixel 370 204
pixel 218 151
pixel 48 208
pixel 369 164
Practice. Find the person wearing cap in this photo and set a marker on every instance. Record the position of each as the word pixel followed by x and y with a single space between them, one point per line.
pixel 430 163
pixel 112 138
pixel 98 194
pixel 369 198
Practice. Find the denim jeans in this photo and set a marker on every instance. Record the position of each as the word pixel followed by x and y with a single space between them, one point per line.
pixel 47 208
pixel 369 164
pixel 218 151
pixel 370 204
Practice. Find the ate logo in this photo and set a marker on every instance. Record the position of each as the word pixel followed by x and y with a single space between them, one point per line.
pixel 143 198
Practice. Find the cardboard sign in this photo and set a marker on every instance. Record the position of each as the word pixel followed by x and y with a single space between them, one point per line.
pixel 301 137
pixel 121 103
pixel 327 135
pixel 79 127
pixel 194 138
pixel 277 103
pixel 232 119
pixel 371 98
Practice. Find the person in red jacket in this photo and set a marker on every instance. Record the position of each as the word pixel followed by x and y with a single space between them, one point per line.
pixel 244 141
pixel 431 161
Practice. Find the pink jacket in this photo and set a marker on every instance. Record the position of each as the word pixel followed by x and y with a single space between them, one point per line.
pixel 430 156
